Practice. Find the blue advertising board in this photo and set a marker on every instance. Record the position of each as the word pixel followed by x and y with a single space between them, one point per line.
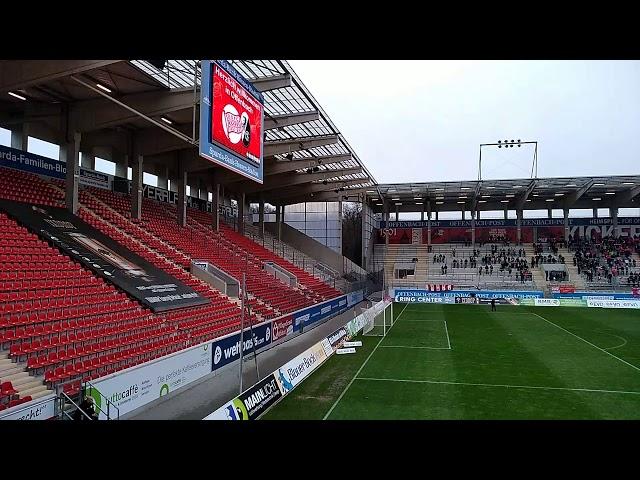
pixel 315 313
pixel 231 120
pixel 354 298
pixel 425 296
pixel 497 223
pixel 30 162
pixel 227 349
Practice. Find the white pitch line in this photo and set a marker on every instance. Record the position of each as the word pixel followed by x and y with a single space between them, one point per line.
pixel 361 367
pixel 447 332
pixel 534 387
pixel 405 346
pixel 587 342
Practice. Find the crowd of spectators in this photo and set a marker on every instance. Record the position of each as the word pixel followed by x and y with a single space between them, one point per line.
pixel 609 258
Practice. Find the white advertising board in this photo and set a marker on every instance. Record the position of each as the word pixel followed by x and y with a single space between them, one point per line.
pixel 546 302
pixel 42 409
pixel 613 303
pixel 138 386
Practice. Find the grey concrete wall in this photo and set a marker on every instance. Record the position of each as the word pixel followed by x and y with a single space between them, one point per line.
pixel 308 246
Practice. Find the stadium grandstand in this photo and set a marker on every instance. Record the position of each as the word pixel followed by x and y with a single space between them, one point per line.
pixel 107 279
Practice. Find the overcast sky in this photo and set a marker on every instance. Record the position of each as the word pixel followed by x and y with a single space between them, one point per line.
pixel 424 120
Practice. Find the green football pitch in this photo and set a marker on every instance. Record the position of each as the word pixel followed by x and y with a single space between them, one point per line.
pixel 466 362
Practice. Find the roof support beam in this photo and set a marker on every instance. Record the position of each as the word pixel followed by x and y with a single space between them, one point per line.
pixel 102 113
pixel 20 74
pixel 525 196
pixel 575 196
pixel 278 121
pixel 286 180
pixel 272 83
pixel 275 167
pixel 351 193
pixel 476 197
pixel 628 195
pixel 277 147
pixel 305 190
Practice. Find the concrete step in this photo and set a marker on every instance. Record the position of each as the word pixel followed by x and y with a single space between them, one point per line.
pixel 5 361
pixel 28 385
pixel 33 390
pixel 18 378
pixel 10 370
pixel 42 393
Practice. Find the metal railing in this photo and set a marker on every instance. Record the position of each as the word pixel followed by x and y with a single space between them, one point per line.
pixel 88 388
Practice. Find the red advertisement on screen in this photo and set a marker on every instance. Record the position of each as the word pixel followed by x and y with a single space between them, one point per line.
pixel 236 117
pixel 282 327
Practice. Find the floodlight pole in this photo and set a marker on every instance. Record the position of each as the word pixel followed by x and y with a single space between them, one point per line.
pixel 506 144
pixel 244 289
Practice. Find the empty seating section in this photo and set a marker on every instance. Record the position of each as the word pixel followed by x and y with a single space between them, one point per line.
pixel 227 250
pixel 66 324
pixel 29 188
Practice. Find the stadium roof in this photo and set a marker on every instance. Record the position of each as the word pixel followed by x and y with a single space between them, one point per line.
pixel 515 194
pixel 306 157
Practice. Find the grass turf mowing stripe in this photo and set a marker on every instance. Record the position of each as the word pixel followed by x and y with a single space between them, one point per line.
pixel 536 387
pixel 362 366
pixel 586 341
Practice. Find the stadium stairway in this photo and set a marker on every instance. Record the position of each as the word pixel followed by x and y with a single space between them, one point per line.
pixel 25 385
pixel 574 277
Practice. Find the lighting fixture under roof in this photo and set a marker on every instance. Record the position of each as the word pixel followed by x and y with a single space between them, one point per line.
pixel 510 195
pixel 491 186
pixel 166 120
pixel 482 201
pixel 395 199
pixel 417 198
pixel 628 183
pixel 462 197
pixel 398 203
pixel 598 184
pixel 418 203
pixel 558 194
pixel 609 193
pixel 102 87
pixel 439 189
pixel 462 203
pixel 571 185
pixel 504 201
pixel 517 186
pixel 486 196
pixel 549 200
pixel 465 188
pixel 597 199
pixel 439 203
pixel 20 97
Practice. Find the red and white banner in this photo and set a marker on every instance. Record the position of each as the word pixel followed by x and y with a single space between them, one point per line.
pixel 438 287
pixel 281 327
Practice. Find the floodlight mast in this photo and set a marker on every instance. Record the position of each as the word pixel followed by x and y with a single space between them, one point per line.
pixel 510 144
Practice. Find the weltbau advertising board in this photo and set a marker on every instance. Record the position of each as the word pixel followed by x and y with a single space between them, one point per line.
pixel 138 386
pixel 227 349
pixel 231 120
pixel 101 254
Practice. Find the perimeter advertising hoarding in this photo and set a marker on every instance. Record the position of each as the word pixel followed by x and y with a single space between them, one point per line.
pixel 408 295
pixel 41 409
pixel 153 287
pixel 231 120
pixel 315 313
pixel 227 349
pixel 138 386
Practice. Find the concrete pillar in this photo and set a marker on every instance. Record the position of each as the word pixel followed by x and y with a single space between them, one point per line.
pixel 122 164
pixel 478 215
pixel 437 215
pixel 473 228
pixel 566 224
pixel 422 213
pixel 595 213
pixel 136 185
pixel 261 217
pixel 339 224
pixel 182 194
pixel 20 137
pixel 428 223
pixel 613 213
pixel 279 215
pixel 241 212
pixel 70 153
pixel 463 215
pixel 506 214
pixel 549 213
pixel 397 212
pixel 519 225
pixel 162 172
pixel 215 207
pixel 88 160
